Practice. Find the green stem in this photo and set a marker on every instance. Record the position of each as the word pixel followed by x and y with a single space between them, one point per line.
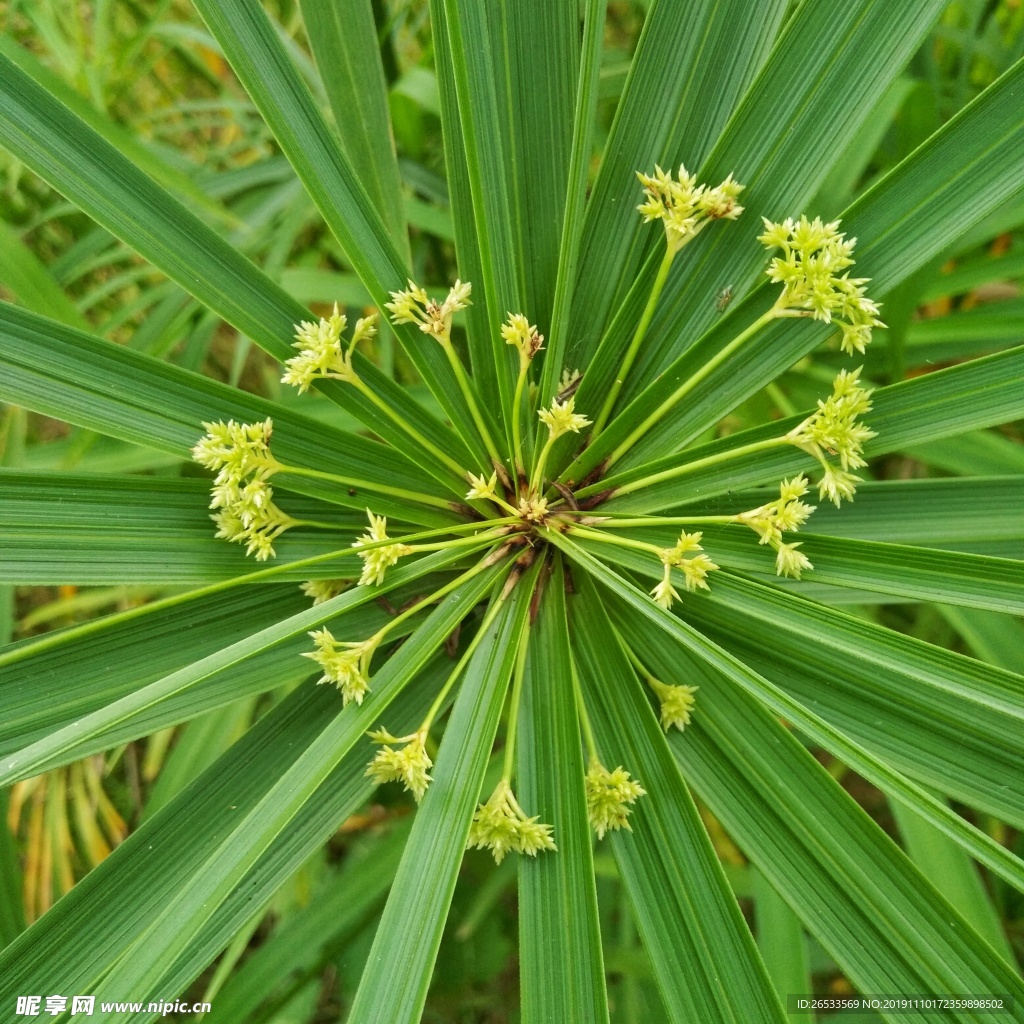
pixel 537 476
pixel 710 460
pixel 345 481
pixel 316 524
pixel 446 459
pixel 517 401
pixel 638 337
pixel 581 708
pixel 640 667
pixel 467 390
pixel 621 542
pixel 447 545
pixel 257 576
pixel 433 598
pixel 616 524
pixel 514 701
pixel 687 386
pixel 439 700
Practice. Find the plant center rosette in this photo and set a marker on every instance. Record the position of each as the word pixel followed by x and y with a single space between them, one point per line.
pixel 536 501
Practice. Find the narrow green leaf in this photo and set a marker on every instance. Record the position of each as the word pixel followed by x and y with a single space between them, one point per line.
pixel 22 272
pixel 58 371
pixel 980 451
pixel 565 268
pixel 983 392
pixel 780 940
pixel 343 38
pixel 687 76
pixel 339 906
pixel 196 747
pixel 703 955
pixel 473 51
pixel 264 67
pixel 106 185
pixel 883 923
pixel 74 944
pixel 172 931
pixel 12 920
pixel 89 732
pixel 410 929
pixel 478 316
pixel 950 870
pixel 997 639
pixel 980 845
pixel 970 273
pixel 933 512
pixel 560 960
pixel 541 52
pixel 63 528
pixel 937 717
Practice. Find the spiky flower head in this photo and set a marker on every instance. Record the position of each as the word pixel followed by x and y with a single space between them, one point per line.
pixel 408 764
pixel 414 306
pixel 568 381
pixel 320 349
pixel 235 449
pixel 787 512
pixel 609 794
pixel 685 207
pixel 481 488
pixel 676 703
pixel 562 418
pixel 814 254
pixel 834 428
pixel 323 590
pixel 377 560
pixel 256 527
pixel 533 508
pixel 501 826
pixel 694 569
pixel 790 562
pixel 664 593
pixel 346 664
pixel 518 331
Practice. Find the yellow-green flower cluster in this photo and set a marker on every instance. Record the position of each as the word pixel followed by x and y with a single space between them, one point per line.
pixel 344 663
pixel 769 521
pixel 409 765
pixel 414 306
pixel 676 703
pixel 240 454
pixel 518 331
pixel 501 826
pixel 482 488
pixel 320 350
pixel 684 206
pixel 694 569
pixel 562 418
pixel 833 428
pixel 609 794
pixel 323 590
pixel 378 559
pixel 814 254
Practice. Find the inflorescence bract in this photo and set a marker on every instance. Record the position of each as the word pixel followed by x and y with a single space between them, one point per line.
pixel 523 511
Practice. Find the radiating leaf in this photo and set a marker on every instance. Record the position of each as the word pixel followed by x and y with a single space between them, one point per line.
pixel 702 952
pixel 561 963
pixel 410 928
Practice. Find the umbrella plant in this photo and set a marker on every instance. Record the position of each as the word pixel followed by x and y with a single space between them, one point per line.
pixel 553 600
